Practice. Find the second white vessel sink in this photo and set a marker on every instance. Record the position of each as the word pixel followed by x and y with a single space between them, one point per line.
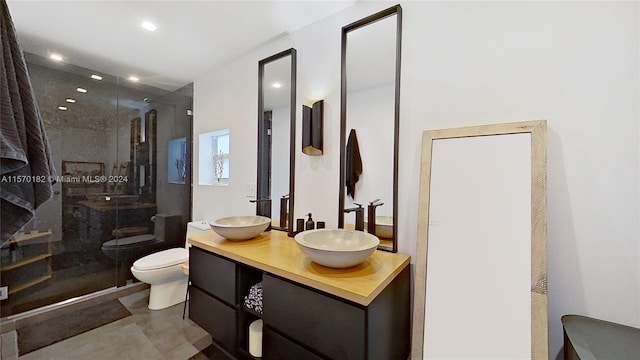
pixel 337 248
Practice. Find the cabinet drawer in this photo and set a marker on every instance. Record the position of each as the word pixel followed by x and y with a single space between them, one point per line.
pixel 332 327
pixel 277 347
pixel 213 274
pixel 217 318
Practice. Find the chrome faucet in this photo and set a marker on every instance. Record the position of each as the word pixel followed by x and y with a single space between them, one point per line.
pixel 359 216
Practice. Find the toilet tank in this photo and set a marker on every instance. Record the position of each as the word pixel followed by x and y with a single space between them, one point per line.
pixel 196 228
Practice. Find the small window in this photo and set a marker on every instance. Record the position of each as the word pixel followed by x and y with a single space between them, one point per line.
pixel 214 158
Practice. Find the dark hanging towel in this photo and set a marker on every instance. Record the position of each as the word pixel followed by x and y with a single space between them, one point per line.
pixel 26 168
pixel 353 164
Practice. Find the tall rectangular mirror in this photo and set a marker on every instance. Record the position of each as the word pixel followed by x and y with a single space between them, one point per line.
pixel 369 125
pixel 480 288
pixel 276 139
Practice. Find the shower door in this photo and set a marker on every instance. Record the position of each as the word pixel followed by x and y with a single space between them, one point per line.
pixel 109 142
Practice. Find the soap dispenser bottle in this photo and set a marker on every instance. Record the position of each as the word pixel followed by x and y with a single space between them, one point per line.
pixel 310 224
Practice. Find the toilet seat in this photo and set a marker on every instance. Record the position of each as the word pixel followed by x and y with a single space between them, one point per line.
pixel 162 259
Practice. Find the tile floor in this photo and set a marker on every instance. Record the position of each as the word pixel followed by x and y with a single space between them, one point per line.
pixel 145 335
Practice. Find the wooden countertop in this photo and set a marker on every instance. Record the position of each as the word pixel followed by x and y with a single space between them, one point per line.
pixel 276 253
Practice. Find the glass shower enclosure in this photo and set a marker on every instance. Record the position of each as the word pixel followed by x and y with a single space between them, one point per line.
pixel 122 152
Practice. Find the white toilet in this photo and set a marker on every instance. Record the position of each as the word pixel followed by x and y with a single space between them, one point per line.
pixel 163 271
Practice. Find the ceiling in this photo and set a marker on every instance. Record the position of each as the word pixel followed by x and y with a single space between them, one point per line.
pixel 192 37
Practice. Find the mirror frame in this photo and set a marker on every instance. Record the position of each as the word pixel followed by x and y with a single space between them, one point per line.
pixel 292 141
pixel 394 10
pixel 538 243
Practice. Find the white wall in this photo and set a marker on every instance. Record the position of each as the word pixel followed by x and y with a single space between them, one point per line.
pixel 575 64
pixel 227 99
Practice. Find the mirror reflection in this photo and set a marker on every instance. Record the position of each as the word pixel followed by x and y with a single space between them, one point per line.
pixel 276 131
pixel 369 121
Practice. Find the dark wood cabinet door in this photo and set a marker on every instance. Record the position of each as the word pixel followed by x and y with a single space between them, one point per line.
pixel 277 347
pixel 217 318
pixel 213 274
pixel 335 328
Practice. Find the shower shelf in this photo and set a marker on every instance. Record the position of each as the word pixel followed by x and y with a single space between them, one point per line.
pixel 26 237
pixel 28 284
pixel 46 255
pixel 23 262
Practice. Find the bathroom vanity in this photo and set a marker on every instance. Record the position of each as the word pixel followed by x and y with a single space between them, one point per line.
pixel 309 311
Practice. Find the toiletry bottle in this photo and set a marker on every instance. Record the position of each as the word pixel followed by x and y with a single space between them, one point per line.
pixel 310 223
pixel 299 225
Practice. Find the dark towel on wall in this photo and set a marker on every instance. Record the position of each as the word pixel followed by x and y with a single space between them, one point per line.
pixel 26 168
pixel 353 164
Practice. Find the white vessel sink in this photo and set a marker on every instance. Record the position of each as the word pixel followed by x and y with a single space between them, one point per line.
pixel 240 227
pixel 384 226
pixel 337 248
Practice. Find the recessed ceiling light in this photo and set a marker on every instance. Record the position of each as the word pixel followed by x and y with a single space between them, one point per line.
pixel 81 90
pixel 276 85
pixel 133 78
pixel 96 77
pixel 55 57
pixel 149 25
pixel 70 100
pixel 63 108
